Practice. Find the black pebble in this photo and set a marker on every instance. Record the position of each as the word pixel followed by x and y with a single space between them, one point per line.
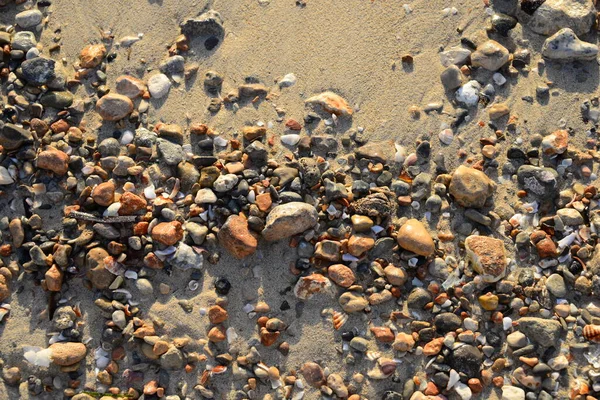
pixel 222 286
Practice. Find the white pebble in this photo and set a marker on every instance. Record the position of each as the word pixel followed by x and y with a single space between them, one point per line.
pixel 159 85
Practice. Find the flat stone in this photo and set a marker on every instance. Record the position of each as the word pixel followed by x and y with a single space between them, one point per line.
pixel 235 236
pixel 383 152
pixel 308 286
pixel 159 86
pixel 564 45
pixel 29 18
pixel 289 219
pixel 332 103
pixel 556 143
pixel 168 233
pixel 341 275
pixel 554 15
pixel 543 332
pixel 186 258
pixel 130 86
pixel 67 353
pixel 556 285
pixel 451 77
pixel 53 160
pixel 487 257
pixel 12 136
pixel 113 107
pixel 58 100
pixel 23 41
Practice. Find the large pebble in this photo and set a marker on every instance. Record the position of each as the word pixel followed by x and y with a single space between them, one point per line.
pixel 414 237
pixel 289 219
pixel 553 15
pixel 68 353
pixel 564 45
pixel 114 107
pixel 487 257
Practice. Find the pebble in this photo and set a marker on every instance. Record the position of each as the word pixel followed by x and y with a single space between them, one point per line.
pixel 470 187
pixel 91 56
pixel 67 353
pixel 487 257
pixel 564 45
pixel 452 77
pixel 490 55
pixel 332 103
pixel 468 94
pixel 554 15
pixel 38 71
pixel 288 219
pixel 159 86
pixel 28 19
pixel 114 107
pixel 341 275
pixel 130 86
pixel 556 285
pixel 235 236
pixel 414 237
pixel 53 160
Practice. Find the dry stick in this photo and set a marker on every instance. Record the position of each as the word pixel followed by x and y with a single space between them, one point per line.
pixel 105 220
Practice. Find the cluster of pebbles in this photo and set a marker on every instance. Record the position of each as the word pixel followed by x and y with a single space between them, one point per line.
pixel 486 296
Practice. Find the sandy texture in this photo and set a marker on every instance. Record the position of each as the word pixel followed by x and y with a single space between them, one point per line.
pixel 352 47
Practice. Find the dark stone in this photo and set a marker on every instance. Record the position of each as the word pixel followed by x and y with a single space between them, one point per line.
pixel 447 322
pixel 38 71
pixel 12 136
pixel 466 359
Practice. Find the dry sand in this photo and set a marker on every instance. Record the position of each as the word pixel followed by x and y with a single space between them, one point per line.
pixel 350 46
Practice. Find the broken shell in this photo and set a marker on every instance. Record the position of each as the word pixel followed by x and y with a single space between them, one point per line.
pixel 592 333
pixel 446 136
pixel 339 319
pixel 373 355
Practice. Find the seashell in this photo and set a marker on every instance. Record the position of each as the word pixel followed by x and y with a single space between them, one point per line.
pixel 373 355
pixel 387 366
pixel 290 140
pixel 446 136
pixel 115 267
pixel 219 369
pixel 592 333
pixel 193 285
pixel 339 319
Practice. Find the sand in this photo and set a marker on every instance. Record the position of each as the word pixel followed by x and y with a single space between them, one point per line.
pixel 353 47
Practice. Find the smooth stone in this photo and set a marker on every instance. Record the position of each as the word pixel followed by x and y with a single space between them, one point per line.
pixel 414 237
pixel 556 285
pixel 159 85
pixel 468 94
pixel 235 236
pixel 57 100
pixel 113 107
pixel 544 332
pixel 28 19
pixel 12 136
pixel 451 77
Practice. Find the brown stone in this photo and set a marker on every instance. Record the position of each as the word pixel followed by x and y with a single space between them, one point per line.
pixel 113 107
pixel 168 233
pixel 53 160
pixel 216 334
pixel 67 353
pixel 263 201
pixel 4 290
pixel 309 285
pixel 268 338
pixel 413 236
pixel 235 236
pixel 104 194
pixel 341 275
pixel 470 187
pixel 403 342
pixel 130 86
pixel 433 347
pixel 131 203
pixel 486 256
pixel 313 373
pixel 91 56
pixel 332 103
pixel 217 314
pixel 498 110
pixel 546 248
pixel 54 279
pixel 254 132
pixel 382 334
pixel 360 244
pixel 100 277
pixel 395 275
